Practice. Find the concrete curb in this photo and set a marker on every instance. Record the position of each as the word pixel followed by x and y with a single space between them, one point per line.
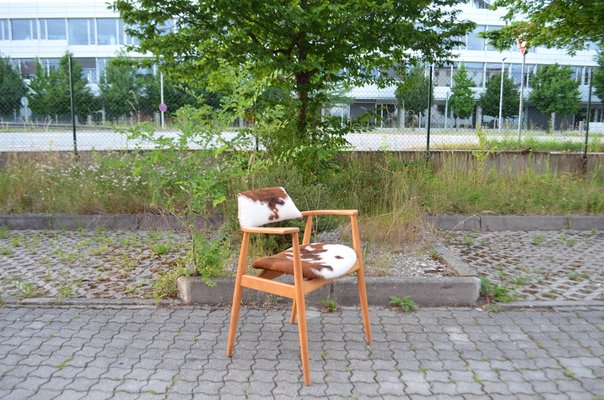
pixel 449 291
pixel 517 222
pixel 132 222
pixel 170 222
pixel 427 292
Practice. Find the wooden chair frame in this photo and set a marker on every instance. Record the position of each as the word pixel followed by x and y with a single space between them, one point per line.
pixel 264 281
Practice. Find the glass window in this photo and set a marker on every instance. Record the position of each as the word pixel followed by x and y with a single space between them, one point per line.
pixel 489 29
pixel 491 70
pixel 106 31
pixel 474 41
pixel 4 29
pixel 24 29
pixel 79 32
pixel 28 68
pixel 476 73
pixel 166 27
pixel 88 68
pixel 53 29
pixel 443 76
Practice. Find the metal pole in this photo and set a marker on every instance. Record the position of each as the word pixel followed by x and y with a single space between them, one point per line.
pixel 429 115
pixel 446 108
pixel 588 118
pixel 500 122
pixel 73 109
pixel 521 97
pixel 161 97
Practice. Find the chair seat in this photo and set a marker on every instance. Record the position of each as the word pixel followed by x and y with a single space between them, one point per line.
pixel 326 261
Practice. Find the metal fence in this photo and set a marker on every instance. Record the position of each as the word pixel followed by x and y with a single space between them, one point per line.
pixel 56 107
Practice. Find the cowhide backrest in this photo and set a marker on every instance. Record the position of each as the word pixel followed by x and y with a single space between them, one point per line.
pixel 263 206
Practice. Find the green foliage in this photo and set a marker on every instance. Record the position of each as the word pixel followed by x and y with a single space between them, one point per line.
pixel 462 96
pixel 555 90
pixel 291 54
pixel 494 292
pixel 50 92
pixel 329 304
pixel 412 92
pixel 405 303
pixel 12 87
pixel 554 24
pixel 489 101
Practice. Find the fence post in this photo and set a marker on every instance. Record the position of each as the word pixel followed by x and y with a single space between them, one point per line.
pixel 73 109
pixel 587 122
pixel 428 123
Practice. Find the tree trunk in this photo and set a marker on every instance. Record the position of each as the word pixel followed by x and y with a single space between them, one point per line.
pixel 552 123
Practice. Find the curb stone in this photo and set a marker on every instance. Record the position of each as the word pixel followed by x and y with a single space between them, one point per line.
pixel 170 222
pixel 460 290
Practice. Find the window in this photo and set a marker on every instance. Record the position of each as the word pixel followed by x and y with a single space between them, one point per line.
pixel 88 68
pixel 24 29
pixel 81 31
pixel 106 31
pixel 476 73
pixel 482 4
pixel 27 67
pixel 491 28
pixel 474 41
pixel 53 29
pixel 491 70
pixel 125 38
pixel 4 29
pixel 443 76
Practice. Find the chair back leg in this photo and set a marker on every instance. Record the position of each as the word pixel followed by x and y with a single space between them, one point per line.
pixel 356 244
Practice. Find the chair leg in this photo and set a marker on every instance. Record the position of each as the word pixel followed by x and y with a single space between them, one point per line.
pixel 301 313
pixel 363 301
pixel 234 318
pixel 292 318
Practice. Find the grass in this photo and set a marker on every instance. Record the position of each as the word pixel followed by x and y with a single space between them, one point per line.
pixel 329 304
pixel 495 292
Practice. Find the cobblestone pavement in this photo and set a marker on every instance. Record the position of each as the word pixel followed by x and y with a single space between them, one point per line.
pixel 90 264
pixel 124 264
pixel 179 353
pixel 567 265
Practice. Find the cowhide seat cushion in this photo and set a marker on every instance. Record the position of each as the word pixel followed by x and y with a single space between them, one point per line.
pixel 319 260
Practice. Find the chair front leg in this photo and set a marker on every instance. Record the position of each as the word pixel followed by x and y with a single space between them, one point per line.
pixel 356 244
pixel 241 267
pixel 300 309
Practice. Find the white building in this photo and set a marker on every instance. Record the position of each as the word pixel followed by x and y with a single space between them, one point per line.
pixel 93 33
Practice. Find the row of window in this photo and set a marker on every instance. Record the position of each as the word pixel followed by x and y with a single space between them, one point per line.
pixel 481 73
pixel 77 31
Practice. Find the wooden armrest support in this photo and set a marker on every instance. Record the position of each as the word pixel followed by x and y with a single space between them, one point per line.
pixel 349 213
pixel 270 231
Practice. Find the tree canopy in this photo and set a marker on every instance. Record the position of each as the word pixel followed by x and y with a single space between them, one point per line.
pixel 412 93
pixel 12 87
pixel 570 24
pixel 489 101
pixel 462 96
pixel 598 76
pixel 301 47
pixel 50 92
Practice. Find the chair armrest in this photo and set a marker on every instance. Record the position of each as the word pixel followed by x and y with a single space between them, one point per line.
pixel 349 213
pixel 270 231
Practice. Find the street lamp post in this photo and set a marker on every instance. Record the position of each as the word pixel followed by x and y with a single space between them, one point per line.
pixel 500 123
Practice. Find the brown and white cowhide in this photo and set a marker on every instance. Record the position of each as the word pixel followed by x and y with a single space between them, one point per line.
pixel 263 206
pixel 319 260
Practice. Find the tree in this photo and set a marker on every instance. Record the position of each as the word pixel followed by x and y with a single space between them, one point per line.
pixel 462 96
pixel 299 47
pixel 598 76
pixel 50 92
pixel 120 89
pixel 555 92
pixel 489 101
pixel 12 87
pixel 412 93
pixel 568 24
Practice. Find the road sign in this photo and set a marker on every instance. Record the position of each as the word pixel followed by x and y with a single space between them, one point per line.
pixel 163 107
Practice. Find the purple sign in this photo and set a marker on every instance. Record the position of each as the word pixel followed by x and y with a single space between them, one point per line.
pixel 163 107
